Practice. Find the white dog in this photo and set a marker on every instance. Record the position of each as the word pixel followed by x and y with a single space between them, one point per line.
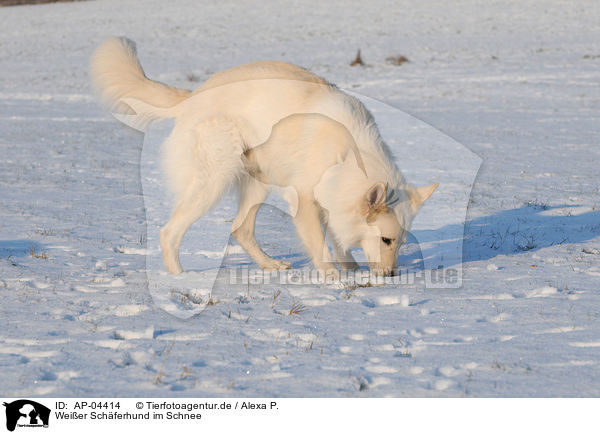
pixel 270 123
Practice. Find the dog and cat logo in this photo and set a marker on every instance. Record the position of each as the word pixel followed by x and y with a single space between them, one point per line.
pixel 26 414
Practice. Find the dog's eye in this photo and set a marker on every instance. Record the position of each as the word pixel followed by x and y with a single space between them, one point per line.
pixel 388 241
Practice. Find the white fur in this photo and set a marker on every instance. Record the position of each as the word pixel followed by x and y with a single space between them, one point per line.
pixel 296 129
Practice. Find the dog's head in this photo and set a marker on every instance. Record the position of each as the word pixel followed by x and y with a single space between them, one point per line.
pixel 387 215
pixel 367 213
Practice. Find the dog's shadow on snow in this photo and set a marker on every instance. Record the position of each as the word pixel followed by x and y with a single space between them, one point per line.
pixel 507 232
pixel 526 229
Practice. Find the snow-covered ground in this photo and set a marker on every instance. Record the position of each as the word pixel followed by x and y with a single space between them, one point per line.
pixel 516 82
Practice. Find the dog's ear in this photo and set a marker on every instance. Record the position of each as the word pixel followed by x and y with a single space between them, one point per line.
pixel 375 197
pixel 374 200
pixel 420 194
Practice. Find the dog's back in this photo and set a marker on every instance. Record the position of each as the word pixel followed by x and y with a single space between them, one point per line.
pixel 262 70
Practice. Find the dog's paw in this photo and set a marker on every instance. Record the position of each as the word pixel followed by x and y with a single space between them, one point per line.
pixel 174 268
pixel 275 264
pixel 172 265
pixel 350 266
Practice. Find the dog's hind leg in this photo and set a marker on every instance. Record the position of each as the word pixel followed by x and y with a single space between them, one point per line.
pixel 198 199
pixel 205 169
pixel 252 195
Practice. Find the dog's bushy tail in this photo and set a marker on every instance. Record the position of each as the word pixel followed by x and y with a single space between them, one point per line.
pixel 121 84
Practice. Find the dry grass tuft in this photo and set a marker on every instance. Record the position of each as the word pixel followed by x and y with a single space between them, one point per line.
pixel 158 378
pixel 396 60
pixel 358 60
pixel 276 295
pixel 36 255
pixel 297 308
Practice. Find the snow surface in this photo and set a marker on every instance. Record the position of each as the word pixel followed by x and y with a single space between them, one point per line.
pixel 516 82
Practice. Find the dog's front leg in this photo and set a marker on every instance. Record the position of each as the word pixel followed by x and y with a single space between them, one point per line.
pixel 344 258
pixel 308 225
